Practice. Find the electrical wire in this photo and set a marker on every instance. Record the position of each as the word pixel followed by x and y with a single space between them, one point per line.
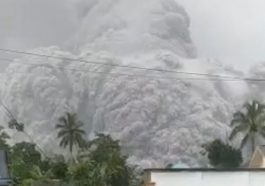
pixel 114 65
pixel 128 75
pixel 211 77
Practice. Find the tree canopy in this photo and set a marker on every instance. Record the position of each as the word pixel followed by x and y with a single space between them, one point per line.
pixel 103 163
pixel 222 155
pixel 250 122
pixel 70 131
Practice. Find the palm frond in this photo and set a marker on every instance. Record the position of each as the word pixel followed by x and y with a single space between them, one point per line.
pixel 245 140
pixel 249 121
pixel 70 131
pixel 59 126
pixel 79 131
pixel 63 120
pixel 260 107
pixel 62 133
pixel 238 129
pixel 64 142
pixel 260 121
pixel 262 133
pixel 238 117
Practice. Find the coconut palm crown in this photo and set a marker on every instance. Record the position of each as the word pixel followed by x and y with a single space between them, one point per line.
pixel 250 122
pixel 70 131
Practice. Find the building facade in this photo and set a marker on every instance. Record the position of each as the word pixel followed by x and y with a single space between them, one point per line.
pixel 252 176
pixel 205 177
pixel 258 158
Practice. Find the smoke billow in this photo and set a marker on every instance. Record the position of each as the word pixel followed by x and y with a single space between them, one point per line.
pixel 160 118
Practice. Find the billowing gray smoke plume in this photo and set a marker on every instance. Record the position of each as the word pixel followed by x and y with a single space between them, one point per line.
pixel 160 118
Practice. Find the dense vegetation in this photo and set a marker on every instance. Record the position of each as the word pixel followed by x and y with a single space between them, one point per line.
pixel 100 161
pixel 96 162
pixel 249 123
pixel 223 155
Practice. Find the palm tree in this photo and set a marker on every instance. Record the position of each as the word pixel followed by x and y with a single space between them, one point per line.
pixel 249 122
pixel 70 131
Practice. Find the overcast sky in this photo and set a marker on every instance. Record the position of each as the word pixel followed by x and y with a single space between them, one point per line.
pixel 31 23
pixel 230 30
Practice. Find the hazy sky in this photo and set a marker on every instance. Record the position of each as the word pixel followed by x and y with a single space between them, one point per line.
pixel 230 30
pixel 233 30
pixel 31 23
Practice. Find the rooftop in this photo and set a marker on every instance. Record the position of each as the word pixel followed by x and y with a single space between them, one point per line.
pixel 206 170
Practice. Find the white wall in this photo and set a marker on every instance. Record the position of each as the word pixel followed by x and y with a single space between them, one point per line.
pixel 241 178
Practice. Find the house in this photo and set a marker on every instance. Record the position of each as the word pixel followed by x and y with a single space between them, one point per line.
pixel 205 177
pixel 252 176
pixel 258 158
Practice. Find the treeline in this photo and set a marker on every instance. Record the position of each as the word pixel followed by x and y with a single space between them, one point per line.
pixel 248 124
pixel 101 162
pixel 97 162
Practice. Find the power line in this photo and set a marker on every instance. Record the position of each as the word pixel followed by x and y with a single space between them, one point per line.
pixel 140 75
pixel 117 65
pixel 12 117
pixel 8 112
pixel 129 75
pixel 121 74
pixel 213 77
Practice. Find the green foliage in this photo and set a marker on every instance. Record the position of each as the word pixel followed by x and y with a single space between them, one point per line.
pixel 27 182
pixel 20 127
pixel 100 161
pixel 136 176
pixel 106 152
pixel 49 183
pixel 27 165
pixel 26 151
pixel 249 122
pixel 70 131
pixel 87 174
pixel 223 155
pixel 38 174
pixel 24 158
pixel 59 170
pixel 14 124
pixel 102 164
pixel 101 147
